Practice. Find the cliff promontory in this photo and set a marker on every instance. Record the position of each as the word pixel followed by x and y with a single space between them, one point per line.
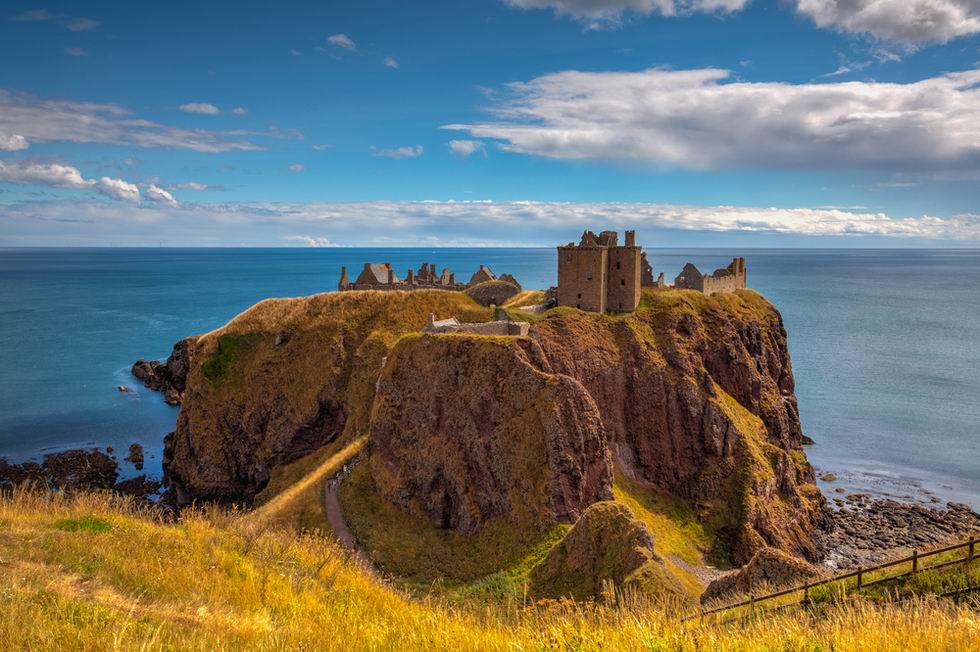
pixel 690 396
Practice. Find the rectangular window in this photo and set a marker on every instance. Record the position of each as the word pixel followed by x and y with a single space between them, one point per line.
pixel 617 265
pixel 580 296
pixel 589 276
pixel 622 281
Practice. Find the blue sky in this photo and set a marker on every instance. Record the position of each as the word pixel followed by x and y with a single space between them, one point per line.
pixel 494 122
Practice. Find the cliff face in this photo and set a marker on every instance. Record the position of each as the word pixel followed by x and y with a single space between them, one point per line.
pixel 690 394
pixel 696 394
pixel 467 429
pixel 284 378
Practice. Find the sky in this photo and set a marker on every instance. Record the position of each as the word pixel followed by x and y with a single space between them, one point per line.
pixel 796 123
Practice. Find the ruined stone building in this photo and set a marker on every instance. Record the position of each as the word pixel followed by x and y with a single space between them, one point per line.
pixel 599 274
pixel 729 279
pixel 646 274
pixel 382 276
pixel 502 325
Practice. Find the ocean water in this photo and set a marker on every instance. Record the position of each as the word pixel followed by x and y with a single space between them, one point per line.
pixel 885 343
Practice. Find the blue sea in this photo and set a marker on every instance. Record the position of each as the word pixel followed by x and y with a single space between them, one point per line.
pixel 885 343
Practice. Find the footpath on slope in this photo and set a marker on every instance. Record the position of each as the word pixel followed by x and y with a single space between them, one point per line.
pixel 335 517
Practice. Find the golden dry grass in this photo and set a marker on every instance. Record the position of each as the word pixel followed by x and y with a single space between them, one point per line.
pixel 205 583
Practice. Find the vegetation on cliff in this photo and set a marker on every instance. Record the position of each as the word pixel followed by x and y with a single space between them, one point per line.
pixel 481 451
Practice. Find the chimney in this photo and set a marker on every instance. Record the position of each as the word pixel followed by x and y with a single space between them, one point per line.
pixel 631 238
pixel 411 276
pixel 391 274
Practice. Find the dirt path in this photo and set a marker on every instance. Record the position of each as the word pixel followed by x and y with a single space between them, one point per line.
pixel 335 517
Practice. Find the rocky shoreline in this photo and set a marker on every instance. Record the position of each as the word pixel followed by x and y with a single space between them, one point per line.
pixel 77 470
pixel 869 531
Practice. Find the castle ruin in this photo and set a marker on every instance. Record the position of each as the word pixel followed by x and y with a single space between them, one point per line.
pixel 501 325
pixel 598 274
pixel 729 279
pixel 382 276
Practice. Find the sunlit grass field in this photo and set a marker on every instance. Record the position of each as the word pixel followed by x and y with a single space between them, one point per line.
pixel 96 572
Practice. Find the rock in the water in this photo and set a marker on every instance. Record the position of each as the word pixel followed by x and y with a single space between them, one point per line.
pixel 135 456
pixel 70 470
pixel 493 292
pixel 768 570
pixel 169 377
pixel 606 548
pixel 467 429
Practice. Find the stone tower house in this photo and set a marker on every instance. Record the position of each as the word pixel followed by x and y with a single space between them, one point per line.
pixel 598 274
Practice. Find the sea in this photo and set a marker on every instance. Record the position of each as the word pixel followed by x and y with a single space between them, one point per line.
pixel 885 344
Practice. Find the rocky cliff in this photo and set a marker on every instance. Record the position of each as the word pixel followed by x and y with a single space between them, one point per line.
pixel 697 397
pixel 502 436
pixel 284 378
pixel 691 395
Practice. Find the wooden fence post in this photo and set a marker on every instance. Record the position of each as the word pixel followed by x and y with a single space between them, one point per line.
pixel 860 570
pixel 806 594
pixel 751 603
pixel 973 540
pixel 915 561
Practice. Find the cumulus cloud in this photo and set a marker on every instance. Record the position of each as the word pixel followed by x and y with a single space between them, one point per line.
pixel 157 194
pixel 390 62
pixel 311 241
pixel 200 107
pixel 40 120
pixel 73 24
pixel 240 110
pixel 906 21
pixel 397 152
pixel 12 143
pixel 76 52
pixel 605 13
pixel 56 175
pixel 119 189
pixel 342 41
pixel 297 167
pixel 321 147
pixel 700 119
pixel 464 148
pixel 457 223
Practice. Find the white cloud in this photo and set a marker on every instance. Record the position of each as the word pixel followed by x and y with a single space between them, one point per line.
pixel 118 189
pixel 12 143
pixel 311 241
pixel 76 52
pixel 698 119
pixel 465 148
pixel 40 120
pixel 240 110
pixel 81 24
pixel 56 175
pixel 608 13
pixel 458 223
pixel 295 52
pixel 905 21
pixel 192 185
pixel 321 147
pixel 391 63
pixel 397 152
pixel 342 41
pixel 200 107
pixel 297 167
pixel 157 194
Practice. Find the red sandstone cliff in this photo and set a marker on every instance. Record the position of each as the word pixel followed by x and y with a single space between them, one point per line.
pixel 467 429
pixel 692 394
